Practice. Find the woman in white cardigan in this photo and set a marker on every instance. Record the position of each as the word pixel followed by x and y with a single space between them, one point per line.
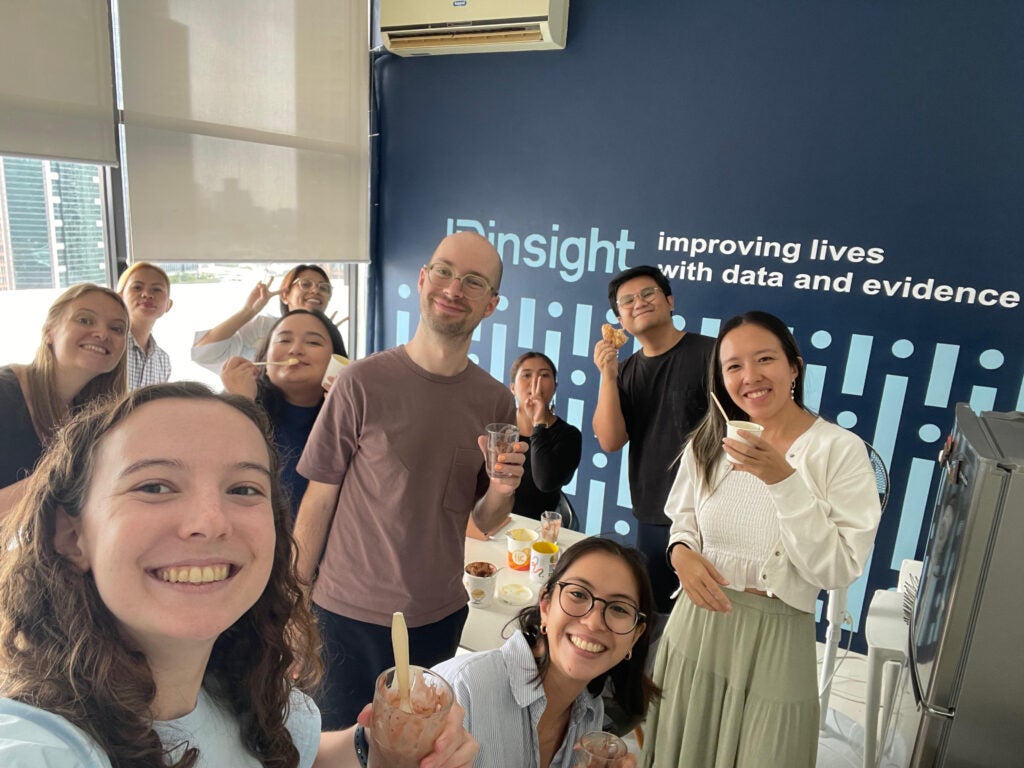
pixel 759 526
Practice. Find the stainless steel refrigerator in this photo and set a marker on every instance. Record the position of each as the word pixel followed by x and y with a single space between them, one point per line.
pixel 967 627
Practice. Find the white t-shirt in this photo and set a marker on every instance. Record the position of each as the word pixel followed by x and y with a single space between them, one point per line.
pixel 33 738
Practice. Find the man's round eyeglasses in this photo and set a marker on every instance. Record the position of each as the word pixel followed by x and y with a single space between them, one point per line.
pixel 308 285
pixel 577 601
pixel 473 286
pixel 630 298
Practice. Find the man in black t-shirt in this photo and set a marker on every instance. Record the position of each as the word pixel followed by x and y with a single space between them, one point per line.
pixel 652 401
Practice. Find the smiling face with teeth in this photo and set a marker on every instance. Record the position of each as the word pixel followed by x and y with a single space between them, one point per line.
pixel 583 648
pixel 295 297
pixel 178 527
pixel 757 373
pixel 90 337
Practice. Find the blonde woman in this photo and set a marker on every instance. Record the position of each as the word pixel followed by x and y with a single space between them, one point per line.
pixel 81 358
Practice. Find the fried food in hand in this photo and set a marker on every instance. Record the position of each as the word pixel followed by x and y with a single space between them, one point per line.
pixel 615 336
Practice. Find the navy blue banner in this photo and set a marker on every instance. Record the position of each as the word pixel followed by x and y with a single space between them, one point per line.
pixel 852 168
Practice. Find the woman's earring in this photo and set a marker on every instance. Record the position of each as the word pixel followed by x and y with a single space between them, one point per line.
pixel 543 629
pixel 792 390
pixel 629 654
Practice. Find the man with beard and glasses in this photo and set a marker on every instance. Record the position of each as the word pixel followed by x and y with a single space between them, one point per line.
pixel 396 468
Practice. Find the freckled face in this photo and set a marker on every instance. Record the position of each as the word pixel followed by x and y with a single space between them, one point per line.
pixel 178 527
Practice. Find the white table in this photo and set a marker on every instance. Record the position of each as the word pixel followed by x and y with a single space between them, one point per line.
pixel 484 626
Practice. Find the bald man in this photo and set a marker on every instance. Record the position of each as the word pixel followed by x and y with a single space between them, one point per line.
pixel 396 468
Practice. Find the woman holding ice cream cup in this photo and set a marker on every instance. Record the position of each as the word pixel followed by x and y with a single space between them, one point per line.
pixel 760 524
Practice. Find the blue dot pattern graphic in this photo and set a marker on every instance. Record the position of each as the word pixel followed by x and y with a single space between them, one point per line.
pixel 891 401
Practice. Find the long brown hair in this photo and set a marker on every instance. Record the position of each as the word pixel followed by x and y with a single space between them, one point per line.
pixel 706 439
pixel 47 408
pixel 60 647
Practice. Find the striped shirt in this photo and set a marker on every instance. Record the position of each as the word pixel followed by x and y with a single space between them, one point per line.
pixel 146 366
pixel 504 702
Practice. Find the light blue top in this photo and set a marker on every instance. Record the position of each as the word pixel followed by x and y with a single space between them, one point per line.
pixel 35 738
pixel 504 702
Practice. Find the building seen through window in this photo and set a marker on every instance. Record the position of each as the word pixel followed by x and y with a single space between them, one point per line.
pixel 53 235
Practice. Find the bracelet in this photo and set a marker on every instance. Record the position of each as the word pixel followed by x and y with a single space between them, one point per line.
pixel 540 425
pixel 362 746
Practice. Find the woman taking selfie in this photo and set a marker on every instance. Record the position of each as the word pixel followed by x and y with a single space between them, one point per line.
pixel 150 613
pixel 529 702
pixel 291 394
pixel 80 358
pixel 760 525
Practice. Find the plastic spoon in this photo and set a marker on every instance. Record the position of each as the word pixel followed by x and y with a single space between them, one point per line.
pixel 400 645
pixel 720 408
pixel 289 361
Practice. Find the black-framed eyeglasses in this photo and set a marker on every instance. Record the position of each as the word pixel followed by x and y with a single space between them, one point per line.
pixel 619 616
pixel 307 285
pixel 629 299
pixel 474 286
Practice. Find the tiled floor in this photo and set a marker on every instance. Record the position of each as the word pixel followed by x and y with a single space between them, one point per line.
pixel 841 745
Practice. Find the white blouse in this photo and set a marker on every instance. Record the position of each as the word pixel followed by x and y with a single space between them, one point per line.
pixel 826 514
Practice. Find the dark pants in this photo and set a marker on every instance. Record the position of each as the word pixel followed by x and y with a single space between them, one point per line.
pixel 355 653
pixel 652 540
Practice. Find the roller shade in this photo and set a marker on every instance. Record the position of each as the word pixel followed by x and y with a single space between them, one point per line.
pixel 246 129
pixel 56 81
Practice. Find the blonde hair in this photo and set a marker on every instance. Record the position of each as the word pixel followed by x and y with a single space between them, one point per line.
pixel 122 282
pixel 48 410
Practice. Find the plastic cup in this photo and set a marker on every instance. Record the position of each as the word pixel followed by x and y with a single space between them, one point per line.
pixel 401 739
pixel 543 556
pixel 550 525
pixel 520 540
pixel 600 749
pixel 732 429
pixel 479 580
pixel 501 438
pixel 334 366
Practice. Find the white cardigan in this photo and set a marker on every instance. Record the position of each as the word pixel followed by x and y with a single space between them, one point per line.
pixel 828 514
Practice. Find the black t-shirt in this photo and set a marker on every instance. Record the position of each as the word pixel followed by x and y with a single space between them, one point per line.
pixel 663 398
pixel 20 448
pixel 550 463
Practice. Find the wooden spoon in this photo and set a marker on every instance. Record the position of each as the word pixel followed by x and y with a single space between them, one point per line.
pixel 400 645
pixel 725 418
pixel 289 361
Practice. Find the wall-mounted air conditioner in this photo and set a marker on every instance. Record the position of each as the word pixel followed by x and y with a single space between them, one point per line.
pixel 431 27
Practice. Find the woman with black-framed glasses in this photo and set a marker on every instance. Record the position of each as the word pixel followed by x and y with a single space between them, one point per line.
pixel 529 702
pixel 305 286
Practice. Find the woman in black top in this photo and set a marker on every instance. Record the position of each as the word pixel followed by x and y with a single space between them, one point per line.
pixel 80 359
pixel 555 445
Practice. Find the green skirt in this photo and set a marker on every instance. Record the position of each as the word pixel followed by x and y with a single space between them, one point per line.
pixel 738 688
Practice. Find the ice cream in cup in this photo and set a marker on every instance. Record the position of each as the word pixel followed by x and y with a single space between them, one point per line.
pixel 479 580
pixel 336 363
pixel 401 739
pixel 733 428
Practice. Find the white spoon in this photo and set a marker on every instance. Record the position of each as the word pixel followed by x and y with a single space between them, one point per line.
pixel 289 361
